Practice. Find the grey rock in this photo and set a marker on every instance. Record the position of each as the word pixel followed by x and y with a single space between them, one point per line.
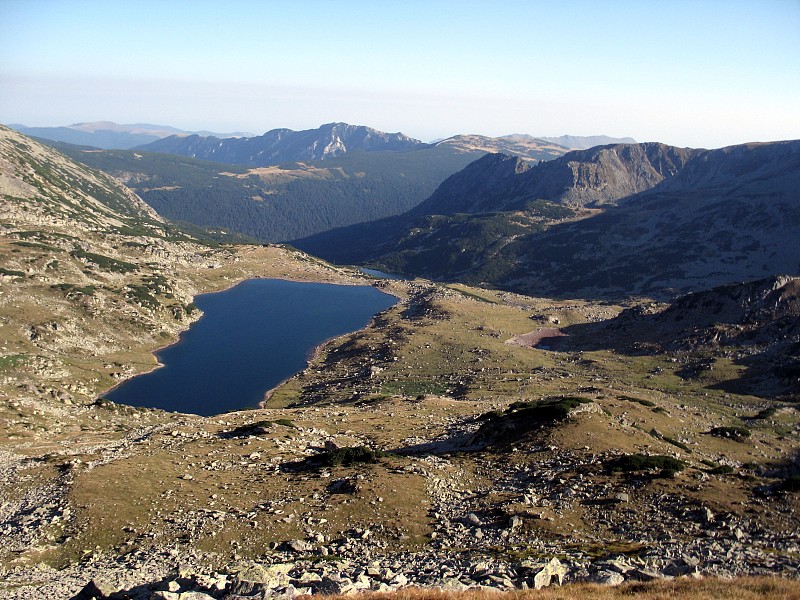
pixel 473 520
pixel 257 578
pixel 299 546
pixel 546 572
pixel 95 590
pixel 165 595
pixel 607 578
pixel 334 585
pixel 646 575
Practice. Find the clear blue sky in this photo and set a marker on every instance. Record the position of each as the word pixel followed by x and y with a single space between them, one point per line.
pixel 701 73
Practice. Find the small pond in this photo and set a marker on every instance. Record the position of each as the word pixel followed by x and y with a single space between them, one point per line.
pixel 251 338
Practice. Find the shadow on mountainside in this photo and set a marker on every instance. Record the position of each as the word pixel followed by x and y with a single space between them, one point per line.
pixel 755 324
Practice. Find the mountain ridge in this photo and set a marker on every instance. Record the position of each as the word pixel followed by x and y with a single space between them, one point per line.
pixel 285 145
pixel 605 220
pixel 530 148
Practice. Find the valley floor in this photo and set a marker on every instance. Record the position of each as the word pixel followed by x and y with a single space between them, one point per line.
pixel 399 456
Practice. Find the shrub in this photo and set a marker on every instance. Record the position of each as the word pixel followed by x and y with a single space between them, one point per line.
pixel 521 418
pixel 792 484
pixel 766 413
pixel 104 262
pixel 735 433
pixel 677 443
pixel 721 470
pixel 257 428
pixel 641 401
pixel 644 462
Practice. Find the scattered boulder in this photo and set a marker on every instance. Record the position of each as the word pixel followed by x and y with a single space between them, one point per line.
pixel 607 578
pixel 544 573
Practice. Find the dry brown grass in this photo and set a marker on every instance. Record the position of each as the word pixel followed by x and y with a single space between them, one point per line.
pixel 745 588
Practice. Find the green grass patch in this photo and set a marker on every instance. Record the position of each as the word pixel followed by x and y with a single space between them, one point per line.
pixel 11 361
pixel 414 388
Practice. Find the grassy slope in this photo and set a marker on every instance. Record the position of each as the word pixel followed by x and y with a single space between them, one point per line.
pixel 452 364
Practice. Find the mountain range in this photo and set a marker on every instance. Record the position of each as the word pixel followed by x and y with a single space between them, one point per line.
pixel 285 145
pixel 282 202
pixel 110 135
pixel 619 219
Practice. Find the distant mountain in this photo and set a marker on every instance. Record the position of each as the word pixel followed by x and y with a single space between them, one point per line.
pixel 109 135
pixel 531 148
pixel 573 142
pixel 285 145
pixel 608 221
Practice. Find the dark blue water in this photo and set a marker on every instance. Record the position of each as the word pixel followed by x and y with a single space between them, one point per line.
pixel 251 338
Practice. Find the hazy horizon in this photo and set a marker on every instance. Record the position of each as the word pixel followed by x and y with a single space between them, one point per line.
pixel 700 74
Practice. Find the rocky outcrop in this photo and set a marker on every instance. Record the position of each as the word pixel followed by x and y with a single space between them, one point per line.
pixel 600 175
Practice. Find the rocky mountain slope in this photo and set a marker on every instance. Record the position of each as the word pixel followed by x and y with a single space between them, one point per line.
pixel 285 145
pixel 613 220
pixel 451 443
pixel 750 330
pixel 108 135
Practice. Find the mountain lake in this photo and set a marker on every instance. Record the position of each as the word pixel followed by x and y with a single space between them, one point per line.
pixel 250 338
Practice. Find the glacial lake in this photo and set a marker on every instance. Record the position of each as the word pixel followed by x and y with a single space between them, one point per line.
pixel 250 338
